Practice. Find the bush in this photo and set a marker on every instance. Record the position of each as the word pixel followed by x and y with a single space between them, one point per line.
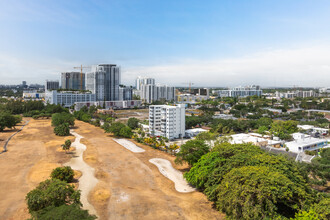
pixel 65 212
pixel 133 123
pixel 61 118
pixel 52 192
pixel 62 130
pixel 126 132
pixel 7 120
pixel 63 173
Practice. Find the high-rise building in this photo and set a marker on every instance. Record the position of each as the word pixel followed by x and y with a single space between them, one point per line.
pixel 142 80
pixel 52 85
pixel 73 80
pixel 104 81
pixel 24 84
pixel 151 92
pixel 125 93
pixel 167 121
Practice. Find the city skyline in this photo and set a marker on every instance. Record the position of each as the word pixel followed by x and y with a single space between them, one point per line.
pixel 226 43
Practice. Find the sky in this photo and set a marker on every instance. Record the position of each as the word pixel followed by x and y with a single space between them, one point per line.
pixel 220 43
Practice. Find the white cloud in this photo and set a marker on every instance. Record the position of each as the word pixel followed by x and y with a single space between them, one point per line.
pixel 309 66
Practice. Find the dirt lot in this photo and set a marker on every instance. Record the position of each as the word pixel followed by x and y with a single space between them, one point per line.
pixel 132 188
pixel 129 187
pixel 124 115
pixel 31 156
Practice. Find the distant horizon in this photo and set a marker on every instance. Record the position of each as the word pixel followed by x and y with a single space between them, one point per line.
pixel 230 43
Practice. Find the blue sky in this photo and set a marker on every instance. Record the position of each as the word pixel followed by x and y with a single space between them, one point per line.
pixel 211 43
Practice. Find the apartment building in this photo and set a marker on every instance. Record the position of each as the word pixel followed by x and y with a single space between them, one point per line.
pixel 167 120
pixel 294 94
pixel 104 81
pixel 73 80
pixel 110 104
pixel 241 91
pixel 52 85
pixel 143 80
pixel 68 98
pixel 151 92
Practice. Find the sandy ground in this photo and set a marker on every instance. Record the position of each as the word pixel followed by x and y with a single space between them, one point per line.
pixel 129 145
pixel 87 181
pixel 32 155
pixel 130 187
pixel 165 167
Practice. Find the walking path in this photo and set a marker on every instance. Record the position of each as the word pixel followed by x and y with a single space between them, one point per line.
pixel 5 145
pixel 87 181
pixel 165 167
pixel 129 145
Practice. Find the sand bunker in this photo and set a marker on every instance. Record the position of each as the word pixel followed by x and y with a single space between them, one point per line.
pixel 129 145
pixel 87 181
pixel 166 168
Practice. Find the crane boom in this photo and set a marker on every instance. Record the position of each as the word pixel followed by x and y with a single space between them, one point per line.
pixel 81 67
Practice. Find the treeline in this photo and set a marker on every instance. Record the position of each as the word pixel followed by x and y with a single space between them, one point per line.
pixel 245 182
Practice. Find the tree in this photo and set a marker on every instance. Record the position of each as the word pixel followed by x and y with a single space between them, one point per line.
pixel 62 130
pixel 63 173
pixel 7 120
pixel 52 192
pixel 125 132
pixel 65 212
pixel 115 128
pixel 253 192
pixel 191 152
pixel 133 123
pixel 283 129
pixel 66 146
pixel 61 118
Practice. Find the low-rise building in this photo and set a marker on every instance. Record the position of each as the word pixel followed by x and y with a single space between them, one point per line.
pixel 303 143
pixel 110 104
pixel 68 98
pixel 240 91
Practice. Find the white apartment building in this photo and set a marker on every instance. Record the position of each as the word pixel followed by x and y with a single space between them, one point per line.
pixel 143 80
pixel 167 121
pixel 110 104
pixel 241 91
pixel 324 90
pixel 296 93
pixel 68 98
pixel 151 92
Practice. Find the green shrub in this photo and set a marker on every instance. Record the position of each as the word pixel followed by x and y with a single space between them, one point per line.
pixel 52 192
pixel 61 118
pixel 62 130
pixel 63 173
pixel 65 212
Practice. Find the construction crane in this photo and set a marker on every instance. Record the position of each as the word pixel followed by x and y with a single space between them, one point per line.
pixel 81 67
pixel 190 84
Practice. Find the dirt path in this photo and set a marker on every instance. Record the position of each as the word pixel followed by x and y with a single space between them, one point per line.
pixel 134 187
pixel 165 167
pixel 87 181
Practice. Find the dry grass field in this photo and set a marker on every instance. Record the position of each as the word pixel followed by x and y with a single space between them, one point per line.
pixel 129 186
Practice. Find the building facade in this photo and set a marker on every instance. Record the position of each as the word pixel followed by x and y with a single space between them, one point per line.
pixel 142 80
pixel 68 98
pixel 151 92
pixel 110 104
pixel 104 81
pixel 73 80
pixel 241 91
pixel 125 93
pixel 52 85
pixel 167 121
